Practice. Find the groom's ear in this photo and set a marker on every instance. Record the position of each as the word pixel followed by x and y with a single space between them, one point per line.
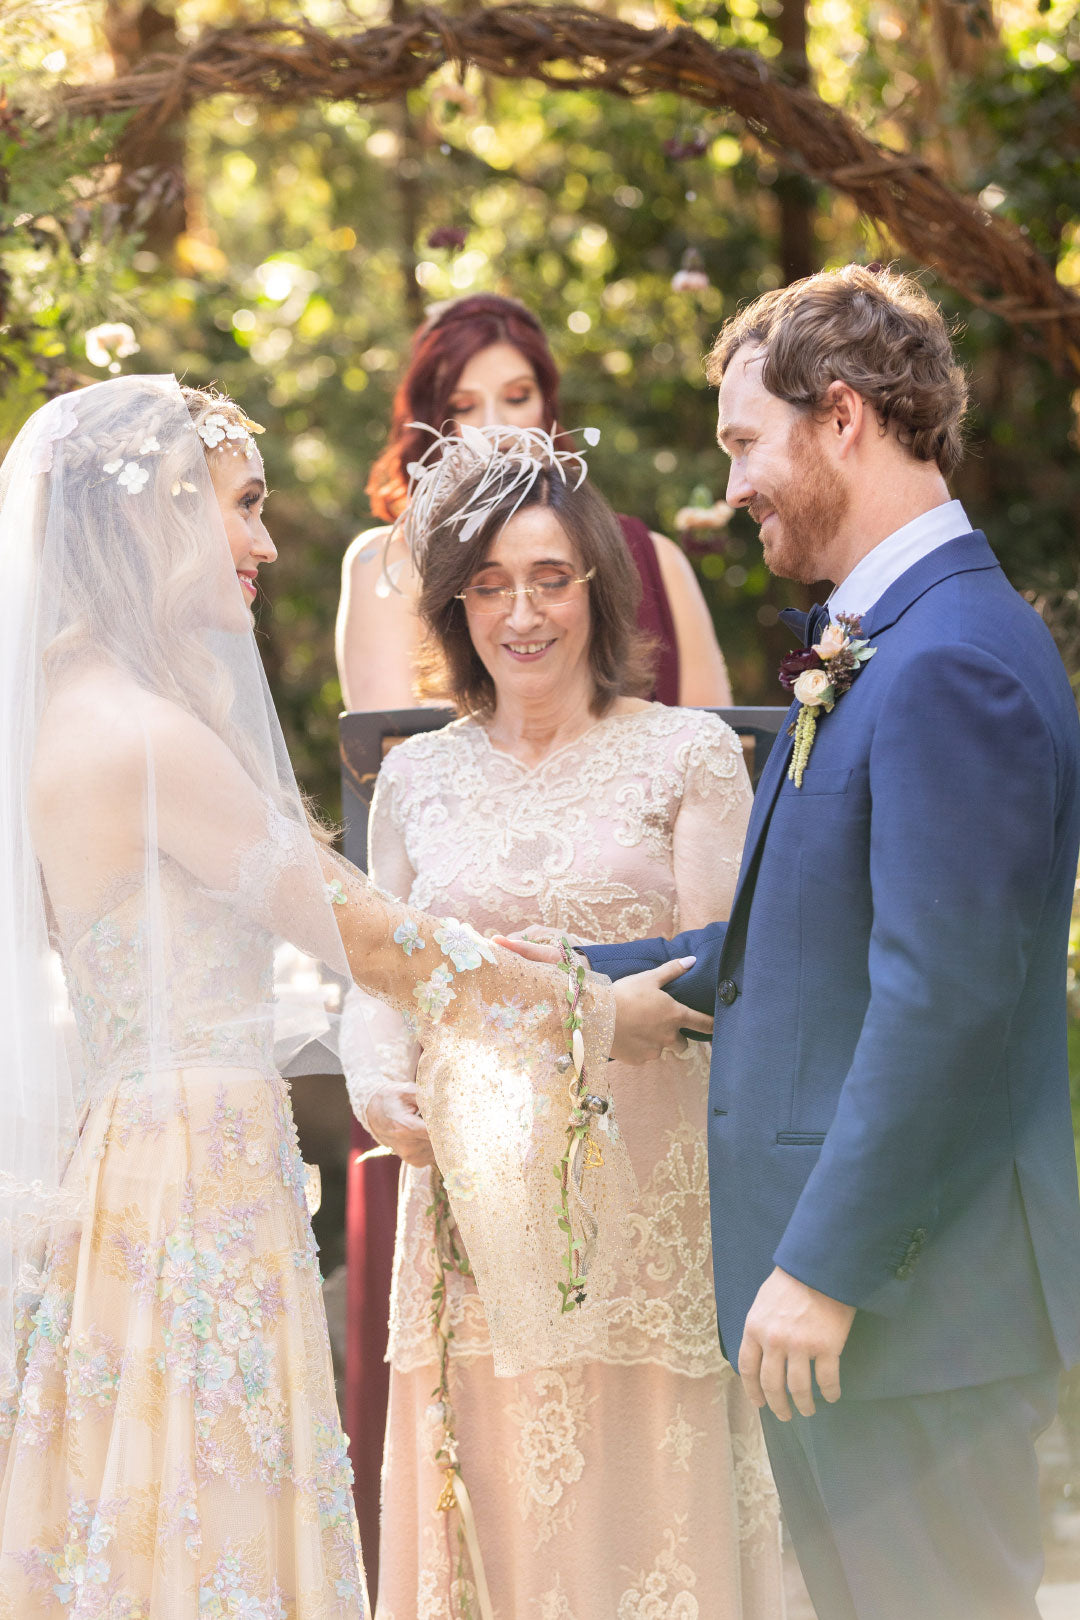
pixel 843 413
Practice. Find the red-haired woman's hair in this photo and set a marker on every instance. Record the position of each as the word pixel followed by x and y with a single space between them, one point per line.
pixel 441 350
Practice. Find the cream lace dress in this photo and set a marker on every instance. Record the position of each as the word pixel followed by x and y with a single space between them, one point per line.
pixel 629 1481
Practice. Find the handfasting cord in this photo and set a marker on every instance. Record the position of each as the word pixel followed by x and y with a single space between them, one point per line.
pixel 581 1153
pixel 582 1150
pixel 450 1257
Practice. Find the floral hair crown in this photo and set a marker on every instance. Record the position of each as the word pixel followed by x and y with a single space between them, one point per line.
pixel 121 454
pixel 496 462
pixel 219 431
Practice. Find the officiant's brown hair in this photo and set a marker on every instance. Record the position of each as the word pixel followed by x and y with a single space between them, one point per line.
pixel 872 328
pixel 620 655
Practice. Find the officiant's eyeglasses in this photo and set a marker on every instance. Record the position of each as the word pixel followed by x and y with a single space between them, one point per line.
pixel 552 591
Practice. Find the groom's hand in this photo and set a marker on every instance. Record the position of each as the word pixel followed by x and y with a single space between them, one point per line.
pixel 648 1022
pixel 792 1335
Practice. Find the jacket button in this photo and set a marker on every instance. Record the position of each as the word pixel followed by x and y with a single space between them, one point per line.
pixel 727 990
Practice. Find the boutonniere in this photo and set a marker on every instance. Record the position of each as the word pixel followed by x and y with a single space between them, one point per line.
pixel 816 677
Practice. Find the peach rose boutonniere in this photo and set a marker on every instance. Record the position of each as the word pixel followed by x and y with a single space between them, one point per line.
pixel 816 677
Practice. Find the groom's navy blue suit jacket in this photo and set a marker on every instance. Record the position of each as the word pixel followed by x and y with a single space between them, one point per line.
pixel 889 1103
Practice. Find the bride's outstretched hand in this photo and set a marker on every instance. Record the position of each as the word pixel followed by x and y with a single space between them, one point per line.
pixel 648 1022
pixel 533 950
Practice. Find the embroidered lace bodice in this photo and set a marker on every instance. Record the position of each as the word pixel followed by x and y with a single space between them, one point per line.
pixel 633 829
pixel 216 971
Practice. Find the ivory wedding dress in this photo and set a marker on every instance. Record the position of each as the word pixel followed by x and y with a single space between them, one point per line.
pixel 627 1478
pixel 170 1447
pixel 174 1447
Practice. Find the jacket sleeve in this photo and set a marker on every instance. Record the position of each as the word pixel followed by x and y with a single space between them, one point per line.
pixel 965 784
pixel 696 988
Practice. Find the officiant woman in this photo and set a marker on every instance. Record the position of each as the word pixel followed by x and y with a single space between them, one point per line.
pixel 632 1475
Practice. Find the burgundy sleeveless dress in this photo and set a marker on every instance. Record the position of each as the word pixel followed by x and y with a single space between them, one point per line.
pixel 654 612
pixel 371 1198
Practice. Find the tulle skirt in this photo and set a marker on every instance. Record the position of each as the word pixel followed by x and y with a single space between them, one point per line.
pixel 175 1451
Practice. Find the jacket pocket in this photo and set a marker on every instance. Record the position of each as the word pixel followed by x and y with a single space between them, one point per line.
pixel 825 781
pixel 800 1138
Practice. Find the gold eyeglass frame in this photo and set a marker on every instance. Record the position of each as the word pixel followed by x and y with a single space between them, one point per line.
pixel 509 595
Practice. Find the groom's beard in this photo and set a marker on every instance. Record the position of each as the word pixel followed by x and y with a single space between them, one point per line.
pixel 810 505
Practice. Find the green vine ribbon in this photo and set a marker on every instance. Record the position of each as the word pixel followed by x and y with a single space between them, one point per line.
pixel 582 1151
pixel 450 1258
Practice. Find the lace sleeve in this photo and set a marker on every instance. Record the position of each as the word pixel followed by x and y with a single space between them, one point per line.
pixel 376 1046
pixel 493 1089
pixel 711 824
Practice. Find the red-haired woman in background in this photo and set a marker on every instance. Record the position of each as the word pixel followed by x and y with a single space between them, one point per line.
pixel 482 360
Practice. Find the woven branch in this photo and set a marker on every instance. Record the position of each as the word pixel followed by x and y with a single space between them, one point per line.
pixel 986 259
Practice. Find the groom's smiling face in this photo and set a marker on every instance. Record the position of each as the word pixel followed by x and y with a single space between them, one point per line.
pixel 781 471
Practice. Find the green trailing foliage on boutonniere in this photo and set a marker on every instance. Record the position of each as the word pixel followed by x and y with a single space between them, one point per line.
pixel 817 677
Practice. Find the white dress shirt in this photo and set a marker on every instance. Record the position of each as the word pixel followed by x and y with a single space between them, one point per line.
pixel 893 556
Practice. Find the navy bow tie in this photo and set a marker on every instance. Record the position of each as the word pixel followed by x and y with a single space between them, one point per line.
pixel 807 626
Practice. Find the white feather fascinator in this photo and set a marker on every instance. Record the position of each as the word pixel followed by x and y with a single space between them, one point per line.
pixel 466 475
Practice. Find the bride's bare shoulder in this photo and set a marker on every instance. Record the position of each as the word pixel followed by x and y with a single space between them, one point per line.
pixel 98 729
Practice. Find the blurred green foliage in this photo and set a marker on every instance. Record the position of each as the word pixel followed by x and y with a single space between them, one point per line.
pixel 305 262
pixel 297 281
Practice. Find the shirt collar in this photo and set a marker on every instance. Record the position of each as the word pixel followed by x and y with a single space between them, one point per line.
pixel 893 556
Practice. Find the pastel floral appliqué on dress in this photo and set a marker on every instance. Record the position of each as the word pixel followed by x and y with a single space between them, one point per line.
pixel 175 1452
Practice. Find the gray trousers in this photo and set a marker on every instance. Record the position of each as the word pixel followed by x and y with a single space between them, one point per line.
pixel 924 1507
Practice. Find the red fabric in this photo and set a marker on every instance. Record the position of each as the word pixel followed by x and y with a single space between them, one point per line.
pixel 654 613
pixel 370 1219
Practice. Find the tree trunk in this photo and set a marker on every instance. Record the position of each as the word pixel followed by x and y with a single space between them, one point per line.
pixel 409 194
pixel 794 193
pixel 151 189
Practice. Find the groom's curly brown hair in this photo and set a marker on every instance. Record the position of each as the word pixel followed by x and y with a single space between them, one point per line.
pixel 877 331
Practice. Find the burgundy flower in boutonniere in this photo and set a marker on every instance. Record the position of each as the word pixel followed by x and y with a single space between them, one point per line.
pixel 817 676
pixel 795 664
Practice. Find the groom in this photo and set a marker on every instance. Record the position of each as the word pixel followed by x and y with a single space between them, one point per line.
pixel 896 1231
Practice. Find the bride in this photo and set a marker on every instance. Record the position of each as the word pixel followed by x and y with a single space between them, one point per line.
pixel 169 1441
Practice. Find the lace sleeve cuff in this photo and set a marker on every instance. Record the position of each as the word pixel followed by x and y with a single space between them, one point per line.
pixel 376 1050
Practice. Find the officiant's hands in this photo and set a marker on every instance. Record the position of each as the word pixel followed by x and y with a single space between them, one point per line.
pixel 648 1022
pixel 793 1335
pixel 394 1120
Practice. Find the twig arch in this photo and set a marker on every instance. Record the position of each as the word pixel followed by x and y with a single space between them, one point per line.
pixel 988 260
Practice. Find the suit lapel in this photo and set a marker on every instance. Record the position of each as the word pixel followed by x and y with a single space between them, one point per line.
pixel 967 553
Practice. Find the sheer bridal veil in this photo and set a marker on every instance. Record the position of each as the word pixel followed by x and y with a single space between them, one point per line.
pixel 150 822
